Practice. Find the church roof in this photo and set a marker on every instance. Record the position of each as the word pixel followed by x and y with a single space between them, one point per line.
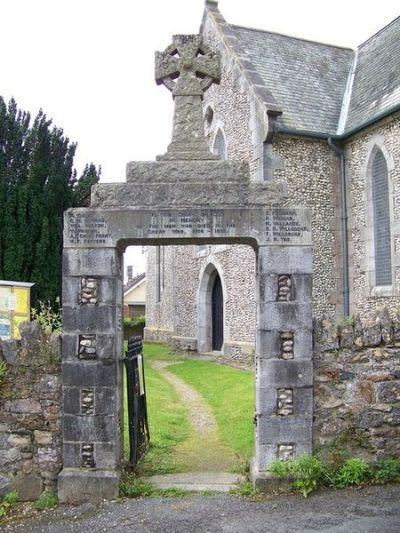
pixel 307 79
pixel 376 86
pixel 321 89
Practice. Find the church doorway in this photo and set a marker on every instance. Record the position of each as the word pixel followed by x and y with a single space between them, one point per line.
pixel 217 313
pixel 210 310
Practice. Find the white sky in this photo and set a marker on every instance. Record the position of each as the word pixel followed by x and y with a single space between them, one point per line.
pixel 90 63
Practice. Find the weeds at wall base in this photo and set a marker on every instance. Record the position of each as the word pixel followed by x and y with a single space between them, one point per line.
pixel 311 472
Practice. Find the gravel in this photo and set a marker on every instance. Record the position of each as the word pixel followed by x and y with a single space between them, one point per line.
pixel 367 510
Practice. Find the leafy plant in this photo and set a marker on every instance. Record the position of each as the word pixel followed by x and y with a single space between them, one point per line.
pixel 133 487
pixel 246 489
pixel 50 318
pixel 3 371
pixel 387 470
pixel 46 500
pixel 353 472
pixel 8 501
pixel 134 321
pixel 308 472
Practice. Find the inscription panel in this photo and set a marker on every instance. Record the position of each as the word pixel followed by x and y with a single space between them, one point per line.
pixel 91 228
pixel 87 230
pixel 286 226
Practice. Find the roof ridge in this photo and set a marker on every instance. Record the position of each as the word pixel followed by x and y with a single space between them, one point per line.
pixel 379 31
pixel 292 37
pixel 346 100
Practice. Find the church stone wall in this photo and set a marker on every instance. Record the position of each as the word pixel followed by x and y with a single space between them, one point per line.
pixel 386 136
pixel 310 170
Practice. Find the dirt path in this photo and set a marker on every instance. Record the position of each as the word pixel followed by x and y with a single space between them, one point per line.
pixel 202 451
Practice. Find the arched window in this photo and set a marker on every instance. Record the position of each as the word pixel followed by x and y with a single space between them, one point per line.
pixel 380 195
pixel 220 145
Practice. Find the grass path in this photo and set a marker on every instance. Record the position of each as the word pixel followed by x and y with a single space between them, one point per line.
pixel 203 450
pixel 200 414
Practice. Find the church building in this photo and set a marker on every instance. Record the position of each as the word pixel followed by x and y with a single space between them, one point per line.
pixel 323 122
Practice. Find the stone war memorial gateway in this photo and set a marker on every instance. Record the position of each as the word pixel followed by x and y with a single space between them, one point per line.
pixel 187 196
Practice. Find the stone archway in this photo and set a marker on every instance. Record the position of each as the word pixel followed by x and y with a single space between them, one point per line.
pixel 187 196
pixel 205 319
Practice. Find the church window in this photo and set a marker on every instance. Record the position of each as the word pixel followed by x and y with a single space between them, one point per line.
pixel 219 147
pixel 380 195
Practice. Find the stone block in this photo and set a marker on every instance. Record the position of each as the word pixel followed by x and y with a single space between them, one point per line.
pixel 9 350
pixel 90 262
pixel 5 485
pixel 303 344
pixel 80 485
pixel 88 374
pixel 389 392
pixel 89 318
pixel 285 316
pixel 288 429
pixel 71 290
pixel 107 292
pixel 302 287
pixel 28 486
pixel 89 428
pixel 268 287
pixel 106 455
pixel 184 171
pixel 278 373
pixel 285 260
pixel 71 400
pixel 105 346
pixel 71 454
pixel 266 401
pixel 105 400
pixel 268 344
pixel 266 453
pixel 43 438
pixel 25 406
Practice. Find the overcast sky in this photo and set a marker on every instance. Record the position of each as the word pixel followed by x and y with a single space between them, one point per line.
pixel 90 63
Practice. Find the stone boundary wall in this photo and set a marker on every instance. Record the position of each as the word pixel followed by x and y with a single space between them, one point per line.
pixel 357 388
pixel 30 399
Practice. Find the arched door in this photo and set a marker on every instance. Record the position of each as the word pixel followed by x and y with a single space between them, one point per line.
pixel 217 314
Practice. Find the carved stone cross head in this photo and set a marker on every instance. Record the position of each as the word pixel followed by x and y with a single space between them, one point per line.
pixel 187 67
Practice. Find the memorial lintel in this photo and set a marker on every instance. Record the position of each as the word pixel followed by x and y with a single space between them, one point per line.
pixel 95 228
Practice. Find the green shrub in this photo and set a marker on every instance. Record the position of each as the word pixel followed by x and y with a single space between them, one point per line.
pixel 3 371
pixel 352 472
pixel 308 472
pixel 133 487
pixel 8 501
pixel 49 317
pixel 46 500
pixel 387 470
pixel 134 322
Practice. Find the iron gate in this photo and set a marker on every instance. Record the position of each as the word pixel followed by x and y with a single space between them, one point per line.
pixel 139 434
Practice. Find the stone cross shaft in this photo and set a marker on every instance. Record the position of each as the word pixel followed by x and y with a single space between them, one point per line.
pixel 187 68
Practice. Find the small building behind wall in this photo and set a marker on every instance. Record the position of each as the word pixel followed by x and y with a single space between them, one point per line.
pixel 135 296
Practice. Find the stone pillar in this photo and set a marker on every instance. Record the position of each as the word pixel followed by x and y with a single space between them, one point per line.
pixel 92 374
pixel 284 399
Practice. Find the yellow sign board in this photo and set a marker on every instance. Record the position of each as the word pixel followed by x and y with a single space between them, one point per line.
pixel 15 307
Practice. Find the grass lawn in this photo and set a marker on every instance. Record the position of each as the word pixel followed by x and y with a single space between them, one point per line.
pixel 228 391
pixel 168 421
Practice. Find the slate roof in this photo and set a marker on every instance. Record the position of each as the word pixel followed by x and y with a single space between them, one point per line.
pixel 321 89
pixel 307 79
pixel 134 281
pixel 376 86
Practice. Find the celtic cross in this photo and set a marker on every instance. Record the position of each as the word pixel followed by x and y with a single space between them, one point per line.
pixel 187 68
